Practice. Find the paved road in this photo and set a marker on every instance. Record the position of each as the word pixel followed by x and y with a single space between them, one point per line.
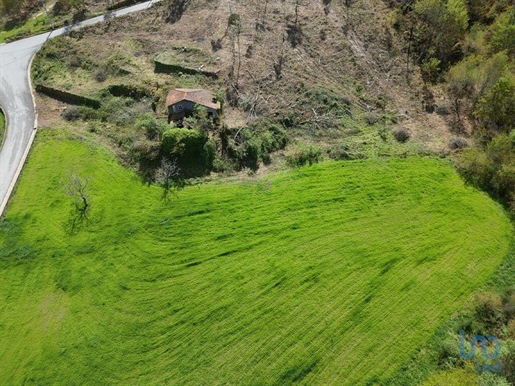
pixel 17 102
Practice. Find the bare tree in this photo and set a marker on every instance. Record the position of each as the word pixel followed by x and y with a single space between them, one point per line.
pixel 234 31
pixel 169 178
pixel 77 188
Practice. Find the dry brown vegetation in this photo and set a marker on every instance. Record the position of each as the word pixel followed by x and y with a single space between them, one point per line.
pixel 300 63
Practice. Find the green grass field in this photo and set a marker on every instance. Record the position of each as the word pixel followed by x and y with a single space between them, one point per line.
pixel 33 26
pixel 333 274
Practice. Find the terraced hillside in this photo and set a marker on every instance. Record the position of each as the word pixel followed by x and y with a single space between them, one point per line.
pixel 330 274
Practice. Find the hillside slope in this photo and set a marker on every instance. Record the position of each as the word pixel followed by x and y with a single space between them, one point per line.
pixel 333 274
pixel 299 66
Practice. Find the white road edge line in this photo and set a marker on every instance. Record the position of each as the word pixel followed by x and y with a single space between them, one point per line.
pixel 23 160
pixel 29 144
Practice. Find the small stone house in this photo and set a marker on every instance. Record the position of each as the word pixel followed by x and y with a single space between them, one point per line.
pixel 181 103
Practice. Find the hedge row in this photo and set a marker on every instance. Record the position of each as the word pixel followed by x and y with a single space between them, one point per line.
pixel 68 97
pixel 165 68
pixel 134 92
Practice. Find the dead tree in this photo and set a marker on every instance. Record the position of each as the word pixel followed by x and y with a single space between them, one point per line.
pixel 77 188
pixel 169 178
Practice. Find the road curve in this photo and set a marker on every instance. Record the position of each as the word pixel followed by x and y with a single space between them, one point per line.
pixel 17 102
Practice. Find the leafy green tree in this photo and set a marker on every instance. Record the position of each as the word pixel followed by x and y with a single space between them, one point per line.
pixel 187 146
pixel 440 27
pixel 471 78
pixel 458 13
pixel 496 110
pixel 503 35
pixel 492 168
pixel 17 8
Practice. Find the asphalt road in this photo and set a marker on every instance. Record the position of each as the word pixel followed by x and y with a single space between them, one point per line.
pixel 17 102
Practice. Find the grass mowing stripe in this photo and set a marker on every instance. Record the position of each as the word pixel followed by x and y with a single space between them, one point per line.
pixel 332 274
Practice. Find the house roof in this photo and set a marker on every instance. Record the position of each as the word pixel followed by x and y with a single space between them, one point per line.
pixel 198 96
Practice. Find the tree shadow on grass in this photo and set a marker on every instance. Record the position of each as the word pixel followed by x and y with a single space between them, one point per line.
pixel 77 220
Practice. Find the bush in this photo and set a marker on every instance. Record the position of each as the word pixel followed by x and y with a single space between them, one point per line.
pixel 120 111
pixel 74 61
pixel 88 113
pixel 153 130
pixel 511 329
pixel 508 360
pixel 489 311
pixel 508 300
pixel 371 118
pixel 458 143
pixel 401 134
pixel 175 10
pixel 249 145
pixel 343 152
pixel 190 150
pixel 491 379
pixel 496 110
pixel 222 164
pixel 310 155
pixel 100 75
pixel 443 108
pixel 71 113
pixel 430 69
pixel 346 100
pixel 449 356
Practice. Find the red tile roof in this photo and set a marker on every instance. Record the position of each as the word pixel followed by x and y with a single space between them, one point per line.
pixel 198 96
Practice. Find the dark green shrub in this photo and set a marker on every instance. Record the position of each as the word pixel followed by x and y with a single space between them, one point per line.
pixel 489 311
pixel 100 75
pixel 401 134
pixel 449 355
pixel 371 119
pixel 194 158
pixel 71 113
pixel 209 151
pixel 508 300
pixel 148 124
pixel 253 152
pixel 496 110
pixel 244 149
pixel 306 156
pixel 458 143
pixel 175 10
pixel 503 36
pixel 343 152
pixel 222 164
pixel 291 119
pixel 508 361
pixel 492 379
pixel 89 113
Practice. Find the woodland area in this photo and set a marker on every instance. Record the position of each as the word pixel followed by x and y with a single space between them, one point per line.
pixel 469 48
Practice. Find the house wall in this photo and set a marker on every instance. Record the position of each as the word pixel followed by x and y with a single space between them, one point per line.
pixel 180 109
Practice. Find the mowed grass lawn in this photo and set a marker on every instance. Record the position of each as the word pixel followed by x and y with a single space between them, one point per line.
pixel 333 274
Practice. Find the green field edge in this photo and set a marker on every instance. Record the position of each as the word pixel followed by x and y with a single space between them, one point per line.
pixel 424 362
pixel 502 275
